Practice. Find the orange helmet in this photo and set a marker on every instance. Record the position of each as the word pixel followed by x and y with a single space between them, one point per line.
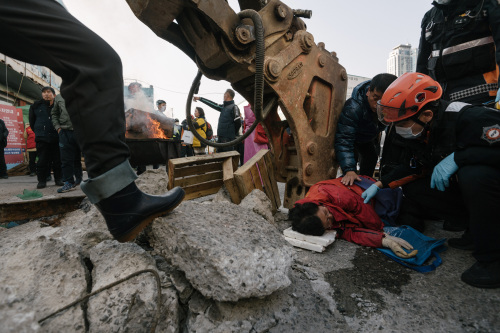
pixel 406 96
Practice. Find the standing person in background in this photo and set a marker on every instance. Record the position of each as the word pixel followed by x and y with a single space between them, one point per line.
pixel 186 148
pixel 460 48
pixel 29 135
pixel 71 155
pixel 162 106
pixel 4 133
pixel 46 138
pixel 200 124
pixel 257 140
pixel 229 116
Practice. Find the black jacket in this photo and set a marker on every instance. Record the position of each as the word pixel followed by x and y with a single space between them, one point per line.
pixel 458 50
pixel 471 132
pixel 357 124
pixel 228 113
pixel 41 121
pixel 4 133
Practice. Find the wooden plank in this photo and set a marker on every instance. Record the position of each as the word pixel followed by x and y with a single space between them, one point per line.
pixel 230 182
pixel 217 184
pixel 197 179
pixel 251 162
pixel 254 171
pixel 197 169
pixel 267 184
pixel 271 170
pixel 201 190
pixel 33 209
pixel 200 194
pixel 202 159
pixel 244 182
pixel 171 175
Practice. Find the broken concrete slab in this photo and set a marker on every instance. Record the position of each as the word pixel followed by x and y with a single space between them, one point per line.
pixel 131 305
pixel 258 202
pixel 42 274
pixel 226 252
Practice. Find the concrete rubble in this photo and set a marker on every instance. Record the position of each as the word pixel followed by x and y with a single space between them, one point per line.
pixel 224 268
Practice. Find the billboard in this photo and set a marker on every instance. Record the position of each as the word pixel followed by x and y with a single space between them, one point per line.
pixel 16 144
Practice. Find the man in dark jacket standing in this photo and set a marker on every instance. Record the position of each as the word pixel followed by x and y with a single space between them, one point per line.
pixel 458 45
pixel 229 115
pixel 47 140
pixel 4 133
pixel 68 146
pixel 358 129
pixel 453 167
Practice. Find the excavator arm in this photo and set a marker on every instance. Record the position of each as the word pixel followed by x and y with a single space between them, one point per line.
pixel 301 78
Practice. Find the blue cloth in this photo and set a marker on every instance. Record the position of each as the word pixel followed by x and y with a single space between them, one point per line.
pixel 427 247
pixel 387 203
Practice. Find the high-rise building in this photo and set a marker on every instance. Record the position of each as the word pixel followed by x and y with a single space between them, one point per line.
pixel 402 59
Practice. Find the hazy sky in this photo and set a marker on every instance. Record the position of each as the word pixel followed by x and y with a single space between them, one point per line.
pixel 362 32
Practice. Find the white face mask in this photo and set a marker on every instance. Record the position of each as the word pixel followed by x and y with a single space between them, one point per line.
pixel 163 108
pixel 443 2
pixel 407 133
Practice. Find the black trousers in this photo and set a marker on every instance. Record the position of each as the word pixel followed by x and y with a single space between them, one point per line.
pixel 42 32
pixel 32 161
pixel 480 187
pixel 3 165
pixel 48 156
pixel 70 156
pixel 223 140
pixel 367 155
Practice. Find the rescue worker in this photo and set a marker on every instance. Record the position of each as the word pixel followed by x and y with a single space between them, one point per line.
pixel 458 44
pixel 453 165
pixel 42 32
pixel 357 136
pixel 330 204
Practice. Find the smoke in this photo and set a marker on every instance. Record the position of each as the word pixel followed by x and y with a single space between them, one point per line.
pixel 140 101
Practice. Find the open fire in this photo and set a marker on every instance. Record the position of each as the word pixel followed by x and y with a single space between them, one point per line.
pixel 146 125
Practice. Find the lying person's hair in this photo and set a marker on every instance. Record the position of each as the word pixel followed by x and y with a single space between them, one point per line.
pixel 304 219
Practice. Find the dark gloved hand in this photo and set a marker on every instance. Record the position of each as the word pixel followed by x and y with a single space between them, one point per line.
pixel 443 171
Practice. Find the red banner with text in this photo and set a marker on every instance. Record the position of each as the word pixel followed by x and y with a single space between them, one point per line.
pixel 16 144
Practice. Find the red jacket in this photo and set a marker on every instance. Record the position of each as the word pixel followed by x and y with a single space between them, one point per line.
pixel 30 143
pixel 355 221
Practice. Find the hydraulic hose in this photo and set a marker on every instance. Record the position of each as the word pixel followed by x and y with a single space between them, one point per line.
pixel 259 85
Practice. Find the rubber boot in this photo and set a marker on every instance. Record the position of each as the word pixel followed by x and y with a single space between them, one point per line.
pixel 129 211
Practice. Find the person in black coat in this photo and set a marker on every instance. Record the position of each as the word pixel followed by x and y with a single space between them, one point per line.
pixel 357 136
pixel 4 133
pixel 46 138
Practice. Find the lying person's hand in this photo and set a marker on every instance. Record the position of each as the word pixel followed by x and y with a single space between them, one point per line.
pixel 397 244
pixel 349 178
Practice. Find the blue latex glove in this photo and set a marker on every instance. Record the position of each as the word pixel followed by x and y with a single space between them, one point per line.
pixel 370 193
pixel 498 96
pixel 443 171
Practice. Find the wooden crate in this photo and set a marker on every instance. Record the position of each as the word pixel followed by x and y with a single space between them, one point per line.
pixel 201 175
pixel 257 173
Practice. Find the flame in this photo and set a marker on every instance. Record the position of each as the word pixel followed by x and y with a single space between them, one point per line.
pixel 154 129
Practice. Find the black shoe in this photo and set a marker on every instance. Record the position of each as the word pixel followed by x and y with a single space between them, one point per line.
pixel 463 243
pixel 59 182
pixel 129 211
pixel 483 275
pixel 4 177
pixel 32 174
pixel 49 178
pixel 41 185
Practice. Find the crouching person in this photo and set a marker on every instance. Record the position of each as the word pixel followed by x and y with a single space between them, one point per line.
pixel 452 168
pixel 330 205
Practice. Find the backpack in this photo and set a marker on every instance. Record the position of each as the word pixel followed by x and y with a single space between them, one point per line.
pixel 237 120
pixel 209 132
